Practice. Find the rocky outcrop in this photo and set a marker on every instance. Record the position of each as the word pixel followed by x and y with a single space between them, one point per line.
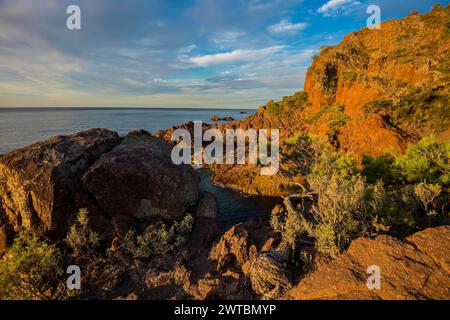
pixel 216 118
pixel 416 268
pixel 42 186
pixel 38 183
pixel 404 65
pixel 241 244
pixel 138 178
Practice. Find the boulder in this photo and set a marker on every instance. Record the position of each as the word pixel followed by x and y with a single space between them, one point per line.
pixel 38 183
pixel 137 178
pixel 215 118
pixel 239 246
pixel 119 180
pixel 416 268
pixel 234 242
pixel 270 275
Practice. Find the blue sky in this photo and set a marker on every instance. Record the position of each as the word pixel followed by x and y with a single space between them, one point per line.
pixel 171 53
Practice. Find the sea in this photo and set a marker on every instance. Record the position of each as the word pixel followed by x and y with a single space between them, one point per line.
pixel 20 127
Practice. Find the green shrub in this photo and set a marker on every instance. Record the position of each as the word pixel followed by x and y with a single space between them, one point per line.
pixel 297 100
pixel 31 270
pixel 81 238
pixel 426 161
pixel 339 121
pixel 378 106
pixel 376 168
pixel 340 212
pixel 295 138
pixel 274 109
pixel 158 240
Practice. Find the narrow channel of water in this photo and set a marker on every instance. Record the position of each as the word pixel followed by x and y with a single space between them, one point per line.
pixel 234 206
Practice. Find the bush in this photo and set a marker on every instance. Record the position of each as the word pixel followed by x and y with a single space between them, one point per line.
pixel 31 270
pixel 81 238
pixel 274 109
pixel 158 240
pixel 426 161
pixel 340 212
pixel 378 106
pixel 379 168
pixel 339 121
pixel 297 100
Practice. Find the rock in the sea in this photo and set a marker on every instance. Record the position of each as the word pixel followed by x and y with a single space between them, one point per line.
pixel 416 268
pixel 138 178
pixel 215 118
pixel 38 183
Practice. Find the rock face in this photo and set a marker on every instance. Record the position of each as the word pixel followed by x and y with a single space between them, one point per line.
pixel 417 268
pixel 141 180
pixel 42 186
pixel 38 183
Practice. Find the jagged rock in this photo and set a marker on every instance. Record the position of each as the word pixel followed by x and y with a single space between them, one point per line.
pixel 137 178
pixel 235 243
pixel 270 274
pixel 215 118
pixel 240 245
pixel 416 268
pixel 38 183
pixel 230 285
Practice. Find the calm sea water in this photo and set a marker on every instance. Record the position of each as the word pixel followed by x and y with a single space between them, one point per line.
pixel 20 127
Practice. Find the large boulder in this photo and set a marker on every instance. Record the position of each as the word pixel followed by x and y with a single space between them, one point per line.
pixel 120 181
pixel 417 268
pixel 138 178
pixel 38 183
pixel 270 274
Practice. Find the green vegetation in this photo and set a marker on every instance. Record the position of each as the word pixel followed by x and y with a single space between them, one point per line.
pixel 287 104
pixel 339 121
pixel 350 76
pixel 158 240
pixel 427 160
pixel 341 201
pixel 324 110
pixel 31 270
pixel 34 269
pixel 81 238
pixel 293 139
pixel 418 107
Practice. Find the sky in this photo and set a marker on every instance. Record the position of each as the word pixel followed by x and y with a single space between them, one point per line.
pixel 171 53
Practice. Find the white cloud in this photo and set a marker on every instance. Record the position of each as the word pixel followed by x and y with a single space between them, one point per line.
pixel 286 27
pixel 188 49
pixel 232 56
pixel 333 6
